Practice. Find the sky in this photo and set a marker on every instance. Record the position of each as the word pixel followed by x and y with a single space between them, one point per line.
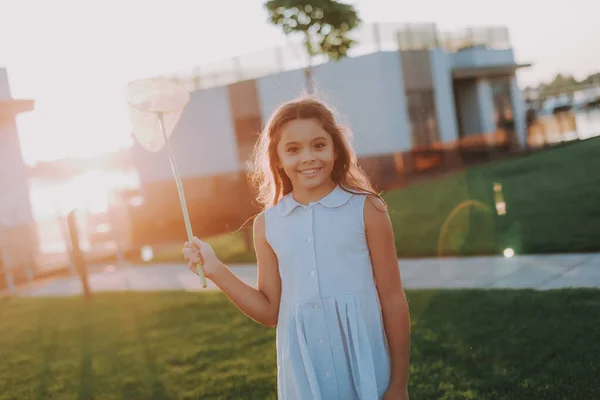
pixel 74 58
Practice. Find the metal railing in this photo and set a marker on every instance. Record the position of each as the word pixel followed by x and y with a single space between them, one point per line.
pixel 370 38
pixel 491 38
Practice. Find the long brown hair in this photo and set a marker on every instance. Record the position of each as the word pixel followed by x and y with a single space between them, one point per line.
pixel 272 183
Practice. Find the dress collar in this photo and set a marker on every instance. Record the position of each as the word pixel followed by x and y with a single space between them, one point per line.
pixel 336 198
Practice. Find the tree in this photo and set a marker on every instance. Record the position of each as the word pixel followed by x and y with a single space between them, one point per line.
pixel 593 79
pixel 560 84
pixel 323 24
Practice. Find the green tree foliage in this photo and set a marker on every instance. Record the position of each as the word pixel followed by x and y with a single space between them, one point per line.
pixel 324 25
pixel 566 84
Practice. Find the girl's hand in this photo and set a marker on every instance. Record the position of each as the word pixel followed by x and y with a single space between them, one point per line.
pixel 199 252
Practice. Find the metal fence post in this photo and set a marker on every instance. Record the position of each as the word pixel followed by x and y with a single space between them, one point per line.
pixel 279 59
pixel 5 262
pixel 10 282
pixel 77 256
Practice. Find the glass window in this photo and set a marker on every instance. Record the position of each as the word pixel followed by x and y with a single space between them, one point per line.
pixel 503 112
pixel 423 120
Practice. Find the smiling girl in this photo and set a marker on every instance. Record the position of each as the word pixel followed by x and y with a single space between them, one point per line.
pixel 328 276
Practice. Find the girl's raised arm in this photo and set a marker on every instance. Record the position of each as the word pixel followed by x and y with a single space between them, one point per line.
pixel 262 303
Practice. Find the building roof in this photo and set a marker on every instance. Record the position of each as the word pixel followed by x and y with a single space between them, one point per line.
pixel 486 71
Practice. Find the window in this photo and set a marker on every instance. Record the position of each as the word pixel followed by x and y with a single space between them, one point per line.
pixel 503 112
pixel 423 120
pixel 502 102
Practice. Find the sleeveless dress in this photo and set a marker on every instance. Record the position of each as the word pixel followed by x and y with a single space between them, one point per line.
pixel 331 342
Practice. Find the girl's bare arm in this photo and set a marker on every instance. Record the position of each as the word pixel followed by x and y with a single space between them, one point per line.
pixel 261 303
pixel 380 238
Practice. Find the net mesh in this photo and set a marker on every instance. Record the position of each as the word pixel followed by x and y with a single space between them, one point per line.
pixel 150 99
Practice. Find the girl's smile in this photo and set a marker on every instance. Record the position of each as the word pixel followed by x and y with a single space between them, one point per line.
pixel 309 173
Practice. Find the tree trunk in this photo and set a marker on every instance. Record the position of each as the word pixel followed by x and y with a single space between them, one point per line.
pixel 308 78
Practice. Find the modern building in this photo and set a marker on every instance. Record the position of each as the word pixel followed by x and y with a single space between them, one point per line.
pixel 18 242
pixel 420 105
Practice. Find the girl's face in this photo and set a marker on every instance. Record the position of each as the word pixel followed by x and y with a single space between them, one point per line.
pixel 306 153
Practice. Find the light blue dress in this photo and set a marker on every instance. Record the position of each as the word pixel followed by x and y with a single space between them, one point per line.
pixel 331 342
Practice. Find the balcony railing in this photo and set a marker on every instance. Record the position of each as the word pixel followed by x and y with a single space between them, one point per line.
pixel 370 38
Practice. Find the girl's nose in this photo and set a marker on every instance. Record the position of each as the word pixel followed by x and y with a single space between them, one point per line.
pixel 307 156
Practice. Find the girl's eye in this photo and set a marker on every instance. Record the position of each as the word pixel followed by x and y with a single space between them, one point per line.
pixel 320 145
pixel 292 149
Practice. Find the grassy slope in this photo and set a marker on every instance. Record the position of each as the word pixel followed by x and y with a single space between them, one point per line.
pixel 552 202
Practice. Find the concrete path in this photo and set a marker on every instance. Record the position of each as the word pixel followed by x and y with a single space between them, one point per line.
pixel 536 272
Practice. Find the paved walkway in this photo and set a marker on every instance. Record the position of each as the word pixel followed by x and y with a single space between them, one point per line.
pixel 536 272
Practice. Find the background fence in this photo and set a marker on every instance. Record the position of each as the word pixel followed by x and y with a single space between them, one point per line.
pixel 370 38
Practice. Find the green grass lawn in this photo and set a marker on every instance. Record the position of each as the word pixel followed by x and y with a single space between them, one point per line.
pixel 552 200
pixel 466 344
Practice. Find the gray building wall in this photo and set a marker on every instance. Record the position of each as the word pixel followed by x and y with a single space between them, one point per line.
pixel 366 92
pixel 391 78
pixel 203 141
pixel 441 67
pixel 275 89
pixel 481 57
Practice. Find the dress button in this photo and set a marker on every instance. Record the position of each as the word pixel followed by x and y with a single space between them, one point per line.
pixel 309 239
pixel 321 340
pixel 328 374
pixel 312 273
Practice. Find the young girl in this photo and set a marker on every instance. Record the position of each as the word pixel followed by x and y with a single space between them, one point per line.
pixel 328 276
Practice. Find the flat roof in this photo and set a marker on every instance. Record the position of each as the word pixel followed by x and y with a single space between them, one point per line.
pixel 12 107
pixel 486 71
